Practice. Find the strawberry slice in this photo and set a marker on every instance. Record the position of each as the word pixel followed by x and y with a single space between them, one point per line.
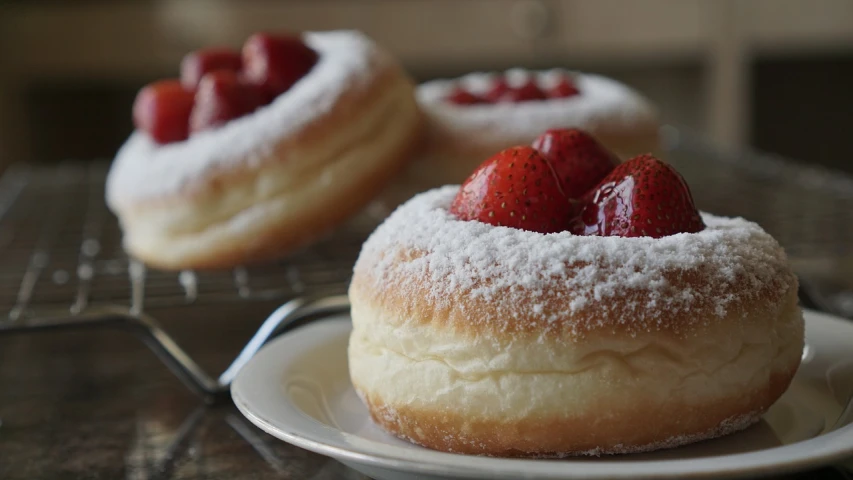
pixel 276 61
pixel 200 62
pixel 499 87
pixel 564 88
pixel 515 188
pixel 524 93
pixel 577 158
pixel 162 110
pixel 643 197
pixel 461 96
pixel 223 96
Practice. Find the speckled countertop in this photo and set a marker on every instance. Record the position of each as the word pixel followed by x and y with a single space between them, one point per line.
pixel 99 405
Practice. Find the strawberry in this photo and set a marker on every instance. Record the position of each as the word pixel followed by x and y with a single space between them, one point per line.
pixel 223 96
pixel 498 88
pixel 276 62
pixel 200 62
pixel 563 89
pixel 461 96
pixel 515 188
pixel 523 93
pixel 643 197
pixel 577 158
pixel 162 110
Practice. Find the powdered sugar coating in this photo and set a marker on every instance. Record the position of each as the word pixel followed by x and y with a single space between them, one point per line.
pixel 423 250
pixel 143 169
pixel 603 104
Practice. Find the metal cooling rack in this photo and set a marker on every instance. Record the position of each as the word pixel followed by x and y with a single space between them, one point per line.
pixel 62 265
pixel 61 254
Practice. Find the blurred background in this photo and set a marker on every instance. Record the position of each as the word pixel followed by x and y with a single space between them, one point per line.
pixel 773 74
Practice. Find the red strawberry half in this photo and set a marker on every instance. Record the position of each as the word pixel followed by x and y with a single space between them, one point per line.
pixel 523 93
pixel 200 62
pixel 162 109
pixel 499 87
pixel 276 62
pixel 515 188
pixel 579 161
pixel 643 197
pixel 461 96
pixel 221 97
pixel 564 88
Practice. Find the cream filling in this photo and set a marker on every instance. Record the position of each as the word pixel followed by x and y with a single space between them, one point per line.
pixel 404 363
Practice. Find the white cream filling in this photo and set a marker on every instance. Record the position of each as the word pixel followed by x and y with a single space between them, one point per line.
pixel 407 364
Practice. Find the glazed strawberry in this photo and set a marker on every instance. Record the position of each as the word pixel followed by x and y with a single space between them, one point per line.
pixel 524 93
pixel 223 96
pixel 515 188
pixel 499 87
pixel 276 61
pixel 643 197
pixel 461 96
pixel 564 88
pixel 577 158
pixel 162 110
pixel 196 64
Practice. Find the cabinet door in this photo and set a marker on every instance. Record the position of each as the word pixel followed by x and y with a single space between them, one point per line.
pixel 780 26
pixel 624 28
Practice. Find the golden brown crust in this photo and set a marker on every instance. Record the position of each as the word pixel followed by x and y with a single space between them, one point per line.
pixel 609 430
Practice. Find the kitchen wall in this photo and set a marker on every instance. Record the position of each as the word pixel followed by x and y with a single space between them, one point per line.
pixel 769 73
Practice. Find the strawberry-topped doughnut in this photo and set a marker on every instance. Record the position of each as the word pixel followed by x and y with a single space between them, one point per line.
pixel 560 304
pixel 471 117
pixel 251 154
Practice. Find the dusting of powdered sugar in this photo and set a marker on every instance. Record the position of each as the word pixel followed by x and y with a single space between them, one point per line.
pixel 602 103
pixel 425 252
pixel 143 169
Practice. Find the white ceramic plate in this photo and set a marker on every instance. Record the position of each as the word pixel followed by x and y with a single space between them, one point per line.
pixel 297 389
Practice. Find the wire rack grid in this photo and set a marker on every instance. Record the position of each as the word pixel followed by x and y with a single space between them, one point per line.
pixel 61 255
pixel 62 266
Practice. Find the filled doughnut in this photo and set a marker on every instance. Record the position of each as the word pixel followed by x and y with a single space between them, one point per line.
pixel 504 318
pixel 471 117
pixel 250 156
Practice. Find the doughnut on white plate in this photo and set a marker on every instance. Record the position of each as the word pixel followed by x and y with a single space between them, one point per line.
pixel 297 389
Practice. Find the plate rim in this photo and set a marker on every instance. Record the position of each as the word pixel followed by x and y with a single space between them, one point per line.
pixel 303 431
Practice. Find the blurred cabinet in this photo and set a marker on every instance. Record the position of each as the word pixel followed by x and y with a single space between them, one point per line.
pixel 623 28
pixel 716 41
pixel 784 26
